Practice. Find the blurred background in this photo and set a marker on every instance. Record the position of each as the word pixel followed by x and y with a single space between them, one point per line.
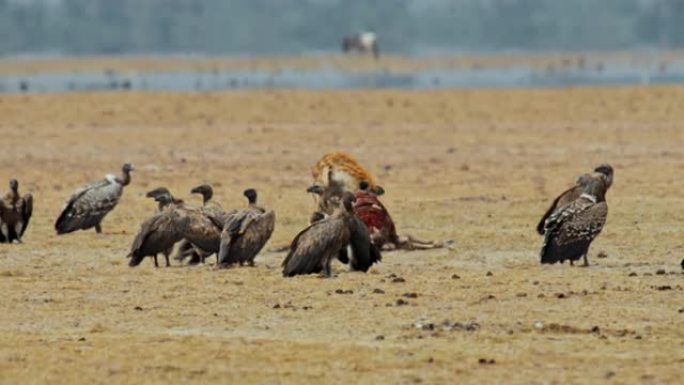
pixel 415 27
pixel 209 45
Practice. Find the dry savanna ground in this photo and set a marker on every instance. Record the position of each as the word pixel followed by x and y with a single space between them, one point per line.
pixel 477 167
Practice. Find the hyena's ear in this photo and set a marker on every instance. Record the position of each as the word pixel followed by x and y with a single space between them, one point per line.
pixel 315 189
pixel 378 190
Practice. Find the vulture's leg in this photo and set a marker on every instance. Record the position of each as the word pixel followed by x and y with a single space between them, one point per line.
pixel 572 263
pixel 156 263
pixel 5 230
pixel 326 268
pixel 98 228
pixel 250 263
pixel 17 230
pixel 586 261
pixel 166 256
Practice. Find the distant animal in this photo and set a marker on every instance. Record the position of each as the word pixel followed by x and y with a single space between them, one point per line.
pixel 570 231
pixel 341 169
pixel 314 248
pixel 15 214
pixel 363 42
pixel 157 234
pixel 245 232
pixel 90 204
pixel 573 193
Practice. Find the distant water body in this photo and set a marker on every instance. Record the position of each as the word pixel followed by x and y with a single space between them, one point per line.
pixel 512 77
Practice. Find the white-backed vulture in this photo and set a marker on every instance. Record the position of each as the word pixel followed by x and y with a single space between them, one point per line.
pixel 15 214
pixel 245 232
pixel 90 204
pixel 573 193
pixel 313 249
pixel 570 230
pixel 157 234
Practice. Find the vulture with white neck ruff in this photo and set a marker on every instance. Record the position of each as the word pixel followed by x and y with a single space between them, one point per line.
pixel 570 231
pixel 90 204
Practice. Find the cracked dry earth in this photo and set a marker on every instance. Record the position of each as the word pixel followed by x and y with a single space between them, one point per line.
pixel 477 167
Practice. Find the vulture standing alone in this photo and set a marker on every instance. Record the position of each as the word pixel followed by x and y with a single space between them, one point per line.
pixel 571 194
pixel 570 230
pixel 90 204
pixel 157 234
pixel 245 232
pixel 15 213
pixel 314 248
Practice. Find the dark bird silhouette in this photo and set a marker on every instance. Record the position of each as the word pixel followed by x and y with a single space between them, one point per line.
pixel 15 214
pixel 245 232
pixel 157 234
pixel 315 247
pixel 90 204
pixel 574 192
pixel 570 230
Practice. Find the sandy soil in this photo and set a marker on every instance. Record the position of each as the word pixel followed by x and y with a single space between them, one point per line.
pixel 586 61
pixel 478 167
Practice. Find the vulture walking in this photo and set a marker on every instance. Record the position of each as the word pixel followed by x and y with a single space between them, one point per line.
pixel 15 214
pixel 245 232
pixel 90 204
pixel 571 194
pixel 314 248
pixel 157 234
pixel 570 230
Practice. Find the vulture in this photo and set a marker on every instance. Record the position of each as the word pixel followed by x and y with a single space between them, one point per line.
pixel 574 192
pixel 90 204
pixel 570 230
pixel 15 214
pixel 163 197
pixel 210 207
pixel 245 232
pixel 314 248
pixel 157 234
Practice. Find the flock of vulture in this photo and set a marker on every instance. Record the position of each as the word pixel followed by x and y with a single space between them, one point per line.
pixel 349 217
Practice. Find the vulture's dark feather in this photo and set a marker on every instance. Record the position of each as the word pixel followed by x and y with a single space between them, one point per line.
pixel 157 235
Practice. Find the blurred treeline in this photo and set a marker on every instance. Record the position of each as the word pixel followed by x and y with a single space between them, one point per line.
pixel 300 26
